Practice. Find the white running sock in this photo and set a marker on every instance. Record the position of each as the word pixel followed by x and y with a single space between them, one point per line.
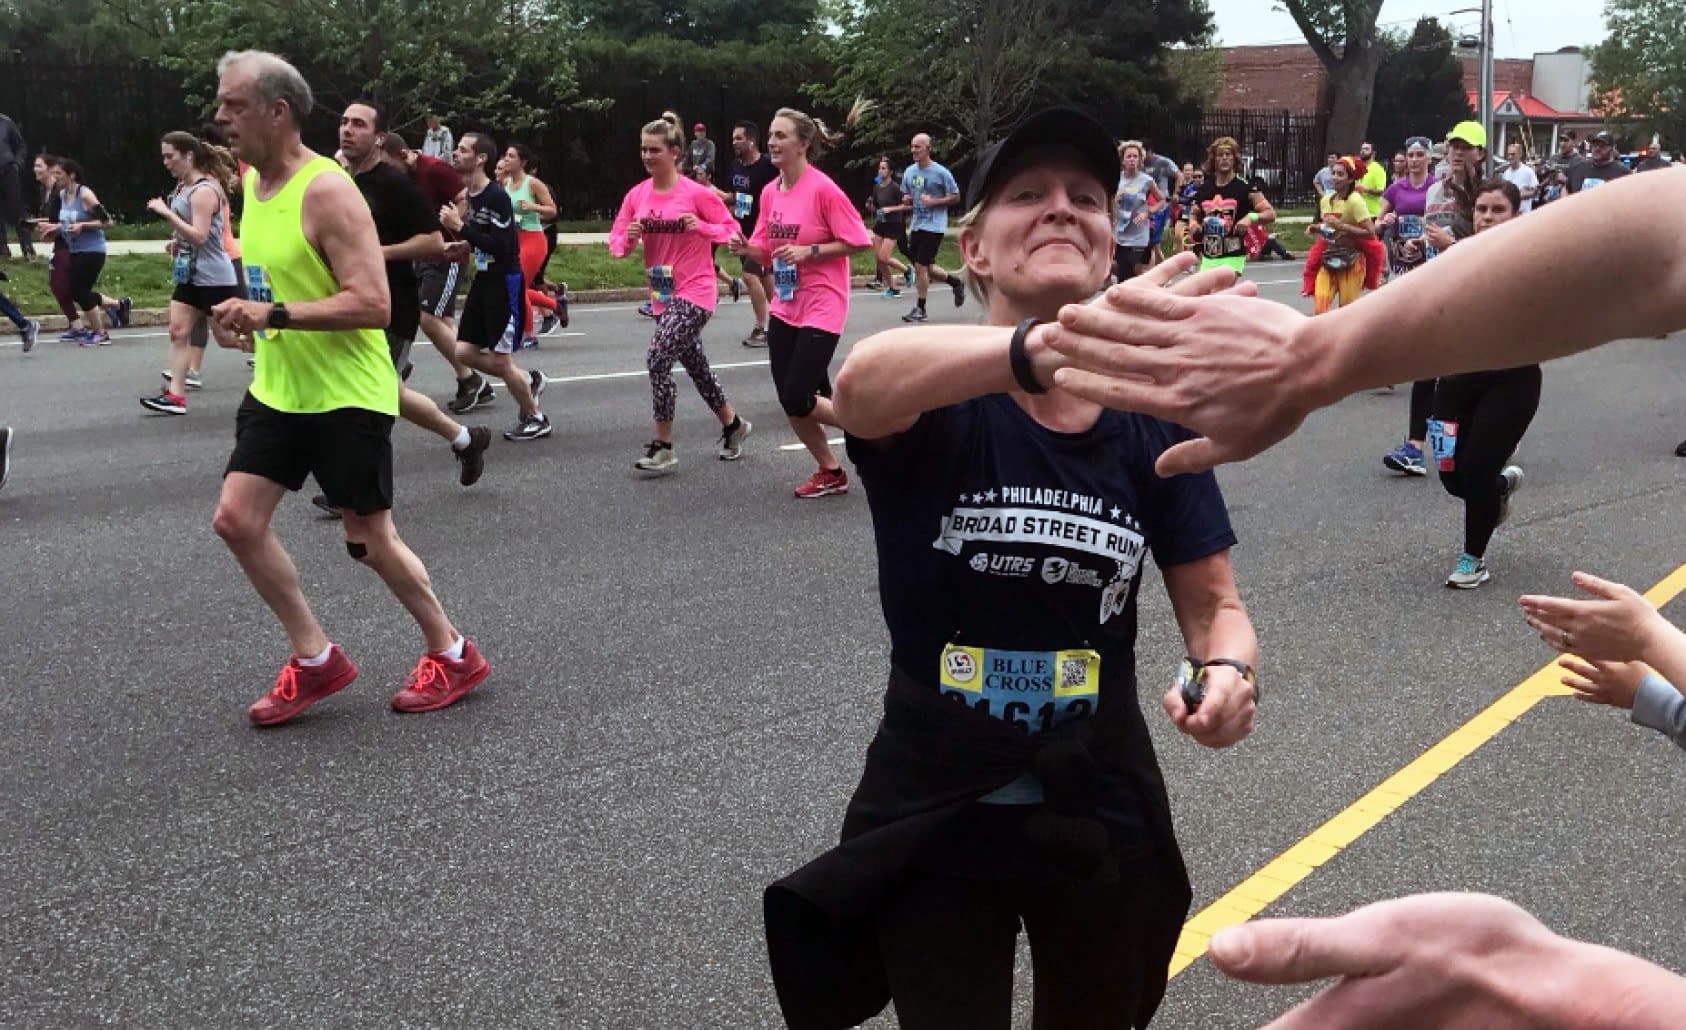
pixel 454 652
pixel 321 659
pixel 461 441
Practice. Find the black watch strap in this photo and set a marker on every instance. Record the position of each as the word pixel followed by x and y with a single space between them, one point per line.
pixel 1020 361
pixel 279 318
pixel 1239 666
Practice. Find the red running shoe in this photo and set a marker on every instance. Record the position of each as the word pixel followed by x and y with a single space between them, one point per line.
pixel 437 682
pixel 824 483
pixel 300 686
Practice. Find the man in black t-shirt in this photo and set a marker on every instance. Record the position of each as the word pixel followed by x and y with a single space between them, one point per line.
pixel 1602 168
pixel 740 187
pixel 408 232
pixel 490 331
pixel 1225 209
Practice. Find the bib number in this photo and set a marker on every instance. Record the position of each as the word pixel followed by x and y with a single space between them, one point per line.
pixel 1033 690
pixel 1443 444
pixel 258 289
pixel 481 260
pixel 741 205
pixel 784 279
pixel 661 283
pixel 181 270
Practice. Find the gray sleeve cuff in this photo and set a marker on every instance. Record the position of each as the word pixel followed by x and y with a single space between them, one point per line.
pixel 1661 707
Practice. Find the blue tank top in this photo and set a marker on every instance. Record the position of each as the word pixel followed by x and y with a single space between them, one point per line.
pixel 89 240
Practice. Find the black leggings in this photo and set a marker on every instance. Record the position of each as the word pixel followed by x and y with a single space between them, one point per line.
pixel 11 311
pixel 1422 399
pixel 1492 410
pixel 801 360
pixel 84 273
pixel 549 252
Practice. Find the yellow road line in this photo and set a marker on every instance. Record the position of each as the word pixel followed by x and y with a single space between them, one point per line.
pixel 1282 873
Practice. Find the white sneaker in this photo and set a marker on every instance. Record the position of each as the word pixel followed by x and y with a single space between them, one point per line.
pixel 731 440
pixel 658 457
pixel 1512 475
pixel 1469 573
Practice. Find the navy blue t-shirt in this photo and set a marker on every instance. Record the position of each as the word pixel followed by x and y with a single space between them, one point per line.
pixel 745 183
pixel 996 532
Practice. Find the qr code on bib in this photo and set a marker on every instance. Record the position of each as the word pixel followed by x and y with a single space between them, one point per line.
pixel 1074 672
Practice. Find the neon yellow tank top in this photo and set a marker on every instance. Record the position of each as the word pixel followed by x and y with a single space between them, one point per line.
pixel 307 371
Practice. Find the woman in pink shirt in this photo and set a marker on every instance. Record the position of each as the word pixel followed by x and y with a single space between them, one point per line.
pixel 804 235
pixel 678 221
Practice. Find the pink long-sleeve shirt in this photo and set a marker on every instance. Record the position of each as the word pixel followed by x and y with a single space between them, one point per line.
pixel 678 262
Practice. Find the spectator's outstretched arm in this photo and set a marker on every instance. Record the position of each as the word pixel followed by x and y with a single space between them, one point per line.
pixel 1245 372
pixel 1448 962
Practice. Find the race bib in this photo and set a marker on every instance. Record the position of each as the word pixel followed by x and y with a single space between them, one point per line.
pixel 1410 227
pixel 1032 690
pixel 257 288
pixel 257 285
pixel 741 205
pixel 784 279
pixel 481 260
pixel 1443 444
pixel 1589 183
pixel 661 283
pixel 181 269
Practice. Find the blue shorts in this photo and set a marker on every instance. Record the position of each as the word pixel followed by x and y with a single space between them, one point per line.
pixel 1156 225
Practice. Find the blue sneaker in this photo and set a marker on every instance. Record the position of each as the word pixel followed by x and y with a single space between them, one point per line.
pixel 1407 458
pixel 907 275
pixel 1470 573
pixel 890 293
pixel 72 335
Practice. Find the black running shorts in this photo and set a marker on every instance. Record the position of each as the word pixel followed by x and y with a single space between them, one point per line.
pixel 348 450
pixel 494 313
pixel 922 246
pixel 440 281
pixel 204 298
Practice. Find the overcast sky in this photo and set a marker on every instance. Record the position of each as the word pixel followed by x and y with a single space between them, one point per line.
pixel 1521 27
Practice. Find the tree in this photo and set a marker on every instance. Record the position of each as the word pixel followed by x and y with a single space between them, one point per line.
pixel 967 70
pixel 702 21
pixel 961 70
pixel 1639 71
pixel 1419 87
pixel 501 62
pixel 1342 34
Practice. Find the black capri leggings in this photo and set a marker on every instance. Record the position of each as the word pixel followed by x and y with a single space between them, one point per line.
pixel 801 360
pixel 84 273
pixel 1422 399
pixel 1492 410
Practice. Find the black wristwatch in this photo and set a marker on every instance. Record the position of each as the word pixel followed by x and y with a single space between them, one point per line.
pixel 278 317
pixel 814 251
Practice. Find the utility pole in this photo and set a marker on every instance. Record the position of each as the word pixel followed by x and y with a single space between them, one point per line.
pixel 1485 110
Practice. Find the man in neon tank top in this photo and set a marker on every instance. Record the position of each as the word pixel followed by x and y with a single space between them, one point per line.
pixel 324 395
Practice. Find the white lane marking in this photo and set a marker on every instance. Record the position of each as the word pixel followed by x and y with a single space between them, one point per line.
pixel 802 446
pixel 641 373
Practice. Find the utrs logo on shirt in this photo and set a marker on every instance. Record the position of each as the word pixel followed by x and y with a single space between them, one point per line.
pixel 784 231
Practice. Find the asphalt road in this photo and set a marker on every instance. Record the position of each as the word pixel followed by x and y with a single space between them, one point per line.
pixel 686 673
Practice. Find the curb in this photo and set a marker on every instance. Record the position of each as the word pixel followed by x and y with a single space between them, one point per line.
pixel 152 318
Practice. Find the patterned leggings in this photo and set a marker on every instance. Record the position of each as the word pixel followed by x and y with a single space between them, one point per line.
pixel 679 338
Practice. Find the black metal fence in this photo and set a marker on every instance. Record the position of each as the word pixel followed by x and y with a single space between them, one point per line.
pixel 1280 150
pixel 107 116
pixel 110 115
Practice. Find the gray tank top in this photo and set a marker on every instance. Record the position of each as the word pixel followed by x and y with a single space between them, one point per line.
pixel 209 264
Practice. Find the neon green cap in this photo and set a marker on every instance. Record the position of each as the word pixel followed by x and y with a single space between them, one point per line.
pixel 1470 132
